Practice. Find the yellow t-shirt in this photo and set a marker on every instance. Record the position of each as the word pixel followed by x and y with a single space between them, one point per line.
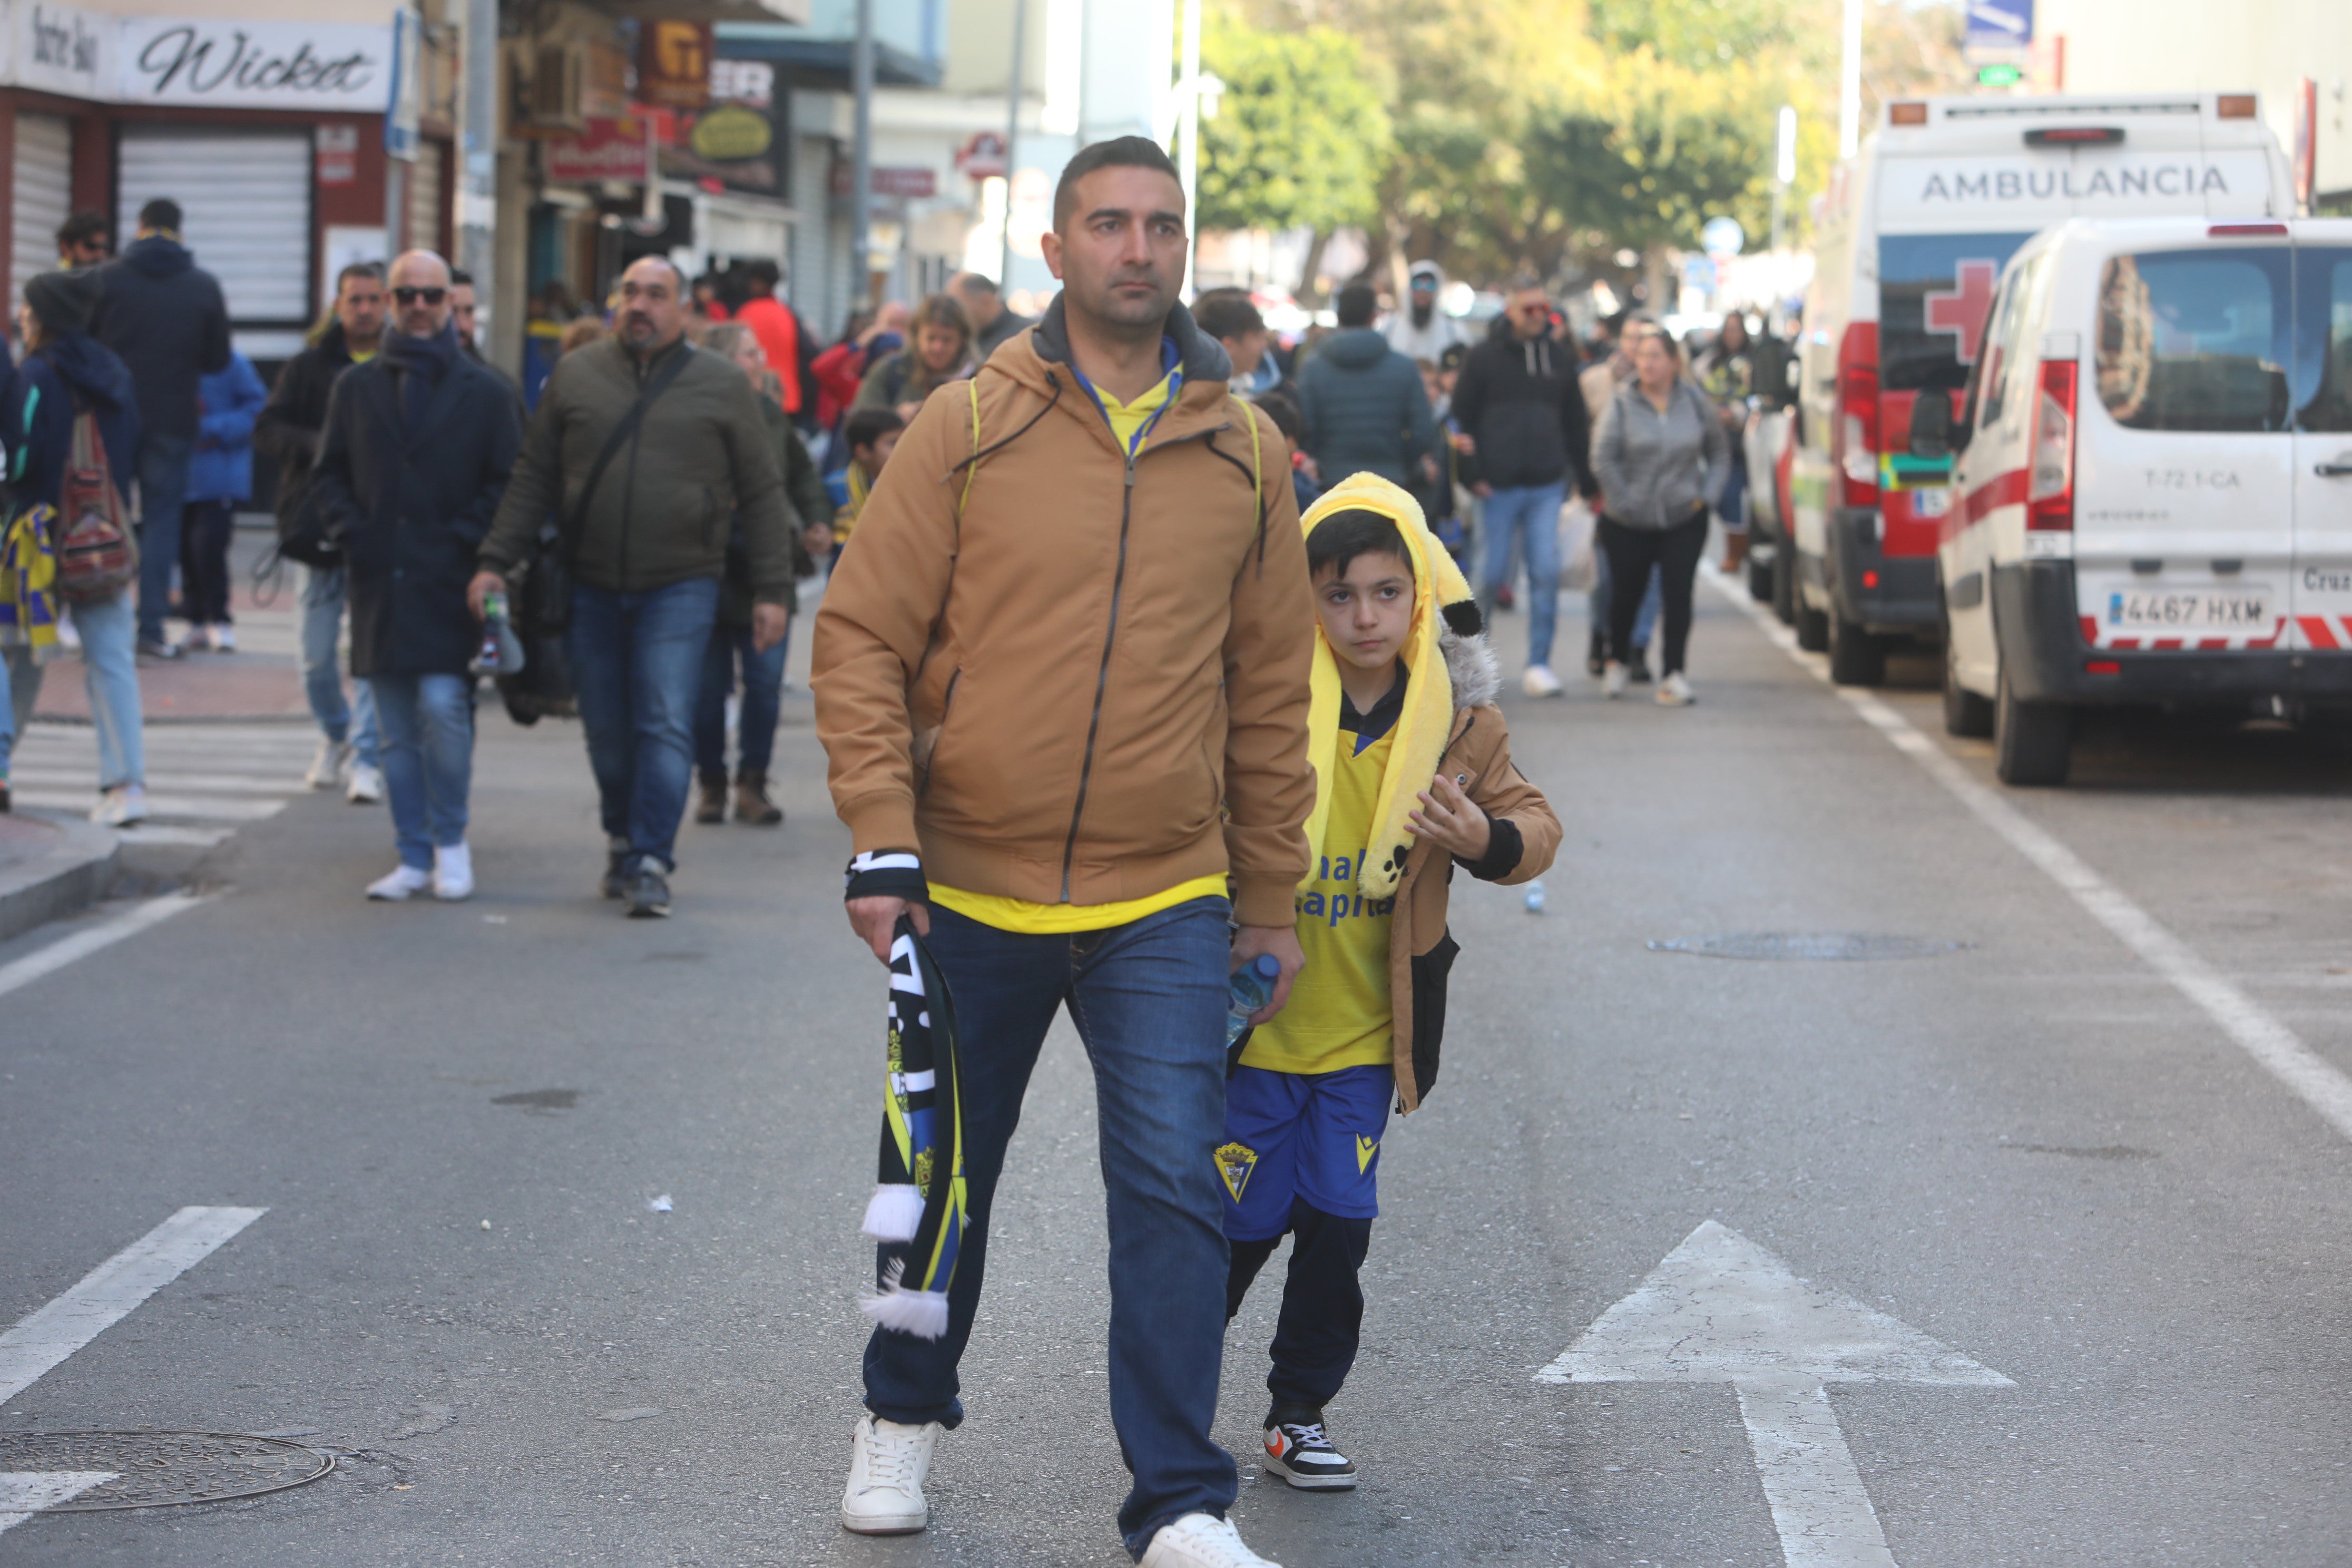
pixel 358 358
pixel 1338 1015
pixel 1128 419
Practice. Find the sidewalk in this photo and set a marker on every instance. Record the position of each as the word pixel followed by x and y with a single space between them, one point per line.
pixel 49 866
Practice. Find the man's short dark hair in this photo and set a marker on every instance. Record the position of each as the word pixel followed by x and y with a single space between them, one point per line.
pixel 764 272
pixel 868 426
pixel 977 283
pixel 1118 153
pixel 85 226
pixel 163 212
pixel 372 271
pixel 1339 539
pixel 460 278
pixel 1227 313
pixel 1282 409
pixel 1358 304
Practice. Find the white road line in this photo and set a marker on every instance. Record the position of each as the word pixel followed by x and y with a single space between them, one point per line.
pixel 2251 1026
pixel 1819 1506
pixel 24 1493
pixel 177 778
pixel 163 833
pixel 224 809
pixel 82 944
pixel 109 1292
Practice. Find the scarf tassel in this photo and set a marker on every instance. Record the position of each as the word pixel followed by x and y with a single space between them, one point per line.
pixel 922 1313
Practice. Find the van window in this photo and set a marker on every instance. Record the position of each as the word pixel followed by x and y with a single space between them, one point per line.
pixel 2002 352
pixel 1934 292
pixel 2195 339
pixel 2323 289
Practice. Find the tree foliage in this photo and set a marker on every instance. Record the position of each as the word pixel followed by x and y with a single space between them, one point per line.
pixel 1301 137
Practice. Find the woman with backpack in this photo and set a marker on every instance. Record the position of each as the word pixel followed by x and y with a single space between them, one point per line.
pixel 65 376
pixel 938 351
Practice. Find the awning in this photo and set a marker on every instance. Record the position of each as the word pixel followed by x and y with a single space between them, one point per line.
pixel 815 62
pixel 768 12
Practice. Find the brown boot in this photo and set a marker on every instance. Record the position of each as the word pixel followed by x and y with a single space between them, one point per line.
pixel 714 798
pixel 1735 553
pixel 752 802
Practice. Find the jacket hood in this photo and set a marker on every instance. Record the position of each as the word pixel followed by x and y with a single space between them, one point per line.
pixel 1201 357
pixel 1431 268
pixel 90 368
pixel 1357 347
pixel 158 256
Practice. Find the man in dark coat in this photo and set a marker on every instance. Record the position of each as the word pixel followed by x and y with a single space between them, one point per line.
pixel 164 318
pixel 1367 411
pixel 419 443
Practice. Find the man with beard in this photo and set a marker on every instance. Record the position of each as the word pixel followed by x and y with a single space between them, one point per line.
pixel 1421 331
pixel 645 448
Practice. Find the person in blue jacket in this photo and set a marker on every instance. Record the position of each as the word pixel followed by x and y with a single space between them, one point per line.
pixel 220 477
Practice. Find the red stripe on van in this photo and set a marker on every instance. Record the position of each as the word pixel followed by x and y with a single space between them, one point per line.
pixel 2166 645
pixel 2316 628
pixel 2213 643
pixel 2001 490
pixel 2091 630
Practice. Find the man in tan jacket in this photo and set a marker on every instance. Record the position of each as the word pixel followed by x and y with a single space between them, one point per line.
pixel 1061 677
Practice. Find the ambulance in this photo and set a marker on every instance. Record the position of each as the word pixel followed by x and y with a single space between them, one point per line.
pixel 1911 238
pixel 2152 500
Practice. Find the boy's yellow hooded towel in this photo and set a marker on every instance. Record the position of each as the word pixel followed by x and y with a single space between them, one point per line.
pixel 1422 731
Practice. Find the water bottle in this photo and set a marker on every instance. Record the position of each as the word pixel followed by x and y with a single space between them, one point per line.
pixel 1535 897
pixel 493 616
pixel 1252 988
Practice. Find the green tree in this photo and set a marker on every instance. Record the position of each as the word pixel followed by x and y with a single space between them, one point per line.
pixel 1301 137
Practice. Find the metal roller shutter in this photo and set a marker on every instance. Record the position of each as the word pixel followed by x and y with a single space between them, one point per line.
pixel 43 199
pixel 425 203
pixel 244 197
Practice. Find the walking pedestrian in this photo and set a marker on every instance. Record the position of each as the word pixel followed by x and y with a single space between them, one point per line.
pixel 792 352
pixel 644 446
pixel 164 318
pixel 1611 367
pixel 220 478
pixel 1519 409
pixel 841 369
pixel 992 324
pixel 1064 695
pixel 871 435
pixel 731 646
pixel 288 429
pixel 1661 452
pixel 1233 318
pixel 1365 407
pixel 1727 370
pixel 64 374
pixel 418 445
pixel 1420 329
pixel 938 350
pixel 81 240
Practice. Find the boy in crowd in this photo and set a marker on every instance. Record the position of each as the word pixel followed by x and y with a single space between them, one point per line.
pixel 871 435
pixel 1229 316
pixel 1413 774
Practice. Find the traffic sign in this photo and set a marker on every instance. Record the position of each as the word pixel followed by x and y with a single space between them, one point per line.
pixel 2004 75
pixel 1723 237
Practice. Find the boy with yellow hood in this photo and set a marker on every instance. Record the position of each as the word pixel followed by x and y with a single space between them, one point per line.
pixel 1413 776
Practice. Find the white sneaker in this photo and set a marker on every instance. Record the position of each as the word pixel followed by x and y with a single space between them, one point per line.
pixel 1673 691
pixel 196 641
pixel 327 767
pixel 404 882
pixel 453 872
pixel 366 786
pixel 1540 681
pixel 1202 1540
pixel 889 1464
pixel 1613 679
pixel 121 806
pixel 224 639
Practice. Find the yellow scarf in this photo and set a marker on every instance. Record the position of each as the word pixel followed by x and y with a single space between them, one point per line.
pixel 28 575
pixel 1428 718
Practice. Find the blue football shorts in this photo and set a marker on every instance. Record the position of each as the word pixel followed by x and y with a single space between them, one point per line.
pixel 1299 1135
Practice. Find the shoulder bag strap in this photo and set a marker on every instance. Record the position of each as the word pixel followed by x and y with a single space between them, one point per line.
pixel 612 443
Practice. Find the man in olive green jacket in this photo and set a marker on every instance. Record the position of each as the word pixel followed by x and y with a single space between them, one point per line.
pixel 645 528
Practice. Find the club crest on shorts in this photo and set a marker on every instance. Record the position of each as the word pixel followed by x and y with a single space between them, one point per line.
pixel 1234 1163
pixel 1365 1149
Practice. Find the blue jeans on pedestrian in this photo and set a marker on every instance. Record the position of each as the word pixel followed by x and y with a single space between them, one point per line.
pixel 163 491
pixel 428 760
pixel 636 664
pixel 1531 514
pixel 1646 622
pixel 1149 1001
pixel 763 693
pixel 322 681
pixel 110 664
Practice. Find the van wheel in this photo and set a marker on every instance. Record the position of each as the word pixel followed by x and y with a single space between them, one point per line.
pixel 1760 575
pixel 1857 658
pixel 1784 582
pixel 1813 625
pixel 1964 713
pixel 2033 742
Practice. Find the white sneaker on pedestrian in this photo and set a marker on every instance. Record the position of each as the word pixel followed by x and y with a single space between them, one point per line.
pixel 889 1464
pixel 121 806
pixel 1202 1540
pixel 224 639
pixel 327 767
pixel 1673 691
pixel 404 882
pixel 366 786
pixel 1613 679
pixel 196 640
pixel 453 872
pixel 1540 681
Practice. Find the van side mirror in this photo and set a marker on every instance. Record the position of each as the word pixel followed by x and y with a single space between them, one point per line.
pixel 1931 425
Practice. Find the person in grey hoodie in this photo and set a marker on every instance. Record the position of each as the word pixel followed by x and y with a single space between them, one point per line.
pixel 1659 454
pixel 1366 409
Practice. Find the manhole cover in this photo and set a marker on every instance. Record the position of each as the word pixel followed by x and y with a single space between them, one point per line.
pixel 1783 944
pixel 152 1470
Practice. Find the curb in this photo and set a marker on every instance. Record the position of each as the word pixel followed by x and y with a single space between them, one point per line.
pixel 68 879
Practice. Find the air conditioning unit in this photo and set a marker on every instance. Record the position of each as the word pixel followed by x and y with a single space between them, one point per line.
pixel 556 97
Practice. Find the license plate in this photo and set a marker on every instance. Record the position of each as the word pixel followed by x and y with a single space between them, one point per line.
pixel 2201 610
pixel 1934 501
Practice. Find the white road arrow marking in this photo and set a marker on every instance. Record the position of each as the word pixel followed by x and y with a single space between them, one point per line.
pixel 24 1493
pixel 1720 1308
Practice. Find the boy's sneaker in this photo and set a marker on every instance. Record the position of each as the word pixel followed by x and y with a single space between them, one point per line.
pixel 1202 1540
pixel 366 787
pixel 224 639
pixel 1299 1451
pixel 327 767
pixel 1540 681
pixel 121 806
pixel 889 1464
pixel 1612 681
pixel 1676 693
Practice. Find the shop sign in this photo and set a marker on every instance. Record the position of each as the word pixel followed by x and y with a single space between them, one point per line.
pixel 912 182
pixel 981 157
pixel 317 66
pixel 337 149
pixel 737 143
pixel 57 48
pixel 674 63
pixel 605 150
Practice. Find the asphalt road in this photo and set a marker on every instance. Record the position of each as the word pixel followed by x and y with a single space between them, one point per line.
pixel 2033 1147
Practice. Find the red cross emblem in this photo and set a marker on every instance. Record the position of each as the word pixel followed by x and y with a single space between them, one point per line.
pixel 1962 311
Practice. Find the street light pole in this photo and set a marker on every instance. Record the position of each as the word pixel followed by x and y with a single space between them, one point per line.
pixel 1850 82
pixel 478 184
pixel 1784 172
pixel 1012 138
pixel 861 175
pixel 1189 166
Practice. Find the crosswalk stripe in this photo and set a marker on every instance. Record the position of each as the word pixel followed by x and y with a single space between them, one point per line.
pixel 224 810
pixel 203 783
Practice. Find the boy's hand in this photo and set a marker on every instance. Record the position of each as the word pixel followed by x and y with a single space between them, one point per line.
pixel 1451 820
pixel 1283 942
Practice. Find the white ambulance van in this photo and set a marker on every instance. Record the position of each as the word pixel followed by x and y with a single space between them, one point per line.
pixel 1911 238
pixel 2153 496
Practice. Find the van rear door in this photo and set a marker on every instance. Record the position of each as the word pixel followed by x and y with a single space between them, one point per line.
pixel 2184 534
pixel 2321 588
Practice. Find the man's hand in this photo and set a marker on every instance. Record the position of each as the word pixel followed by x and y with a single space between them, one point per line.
pixel 769 624
pixel 1465 443
pixel 485 582
pixel 876 922
pixel 1283 942
pixel 1451 820
pixel 1429 467
pixel 1482 489
pixel 817 539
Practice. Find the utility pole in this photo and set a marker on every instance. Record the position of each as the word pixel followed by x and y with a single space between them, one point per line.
pixel 477 183
pixel 1013 137
pixel 1850 82
pixel 1188 166
pixel 1784 173
pixel 861 190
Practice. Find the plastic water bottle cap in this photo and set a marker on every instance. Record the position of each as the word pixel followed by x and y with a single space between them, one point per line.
pixel 1267 966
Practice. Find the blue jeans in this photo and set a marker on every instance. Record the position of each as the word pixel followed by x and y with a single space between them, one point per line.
pixel 1646 622
pixel 763 692
pixel 1531 513
pixel 163 491
pixel 1149 1000
pixel 322 681
pixel 110 664
pixel 429 759
pixel 636 664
